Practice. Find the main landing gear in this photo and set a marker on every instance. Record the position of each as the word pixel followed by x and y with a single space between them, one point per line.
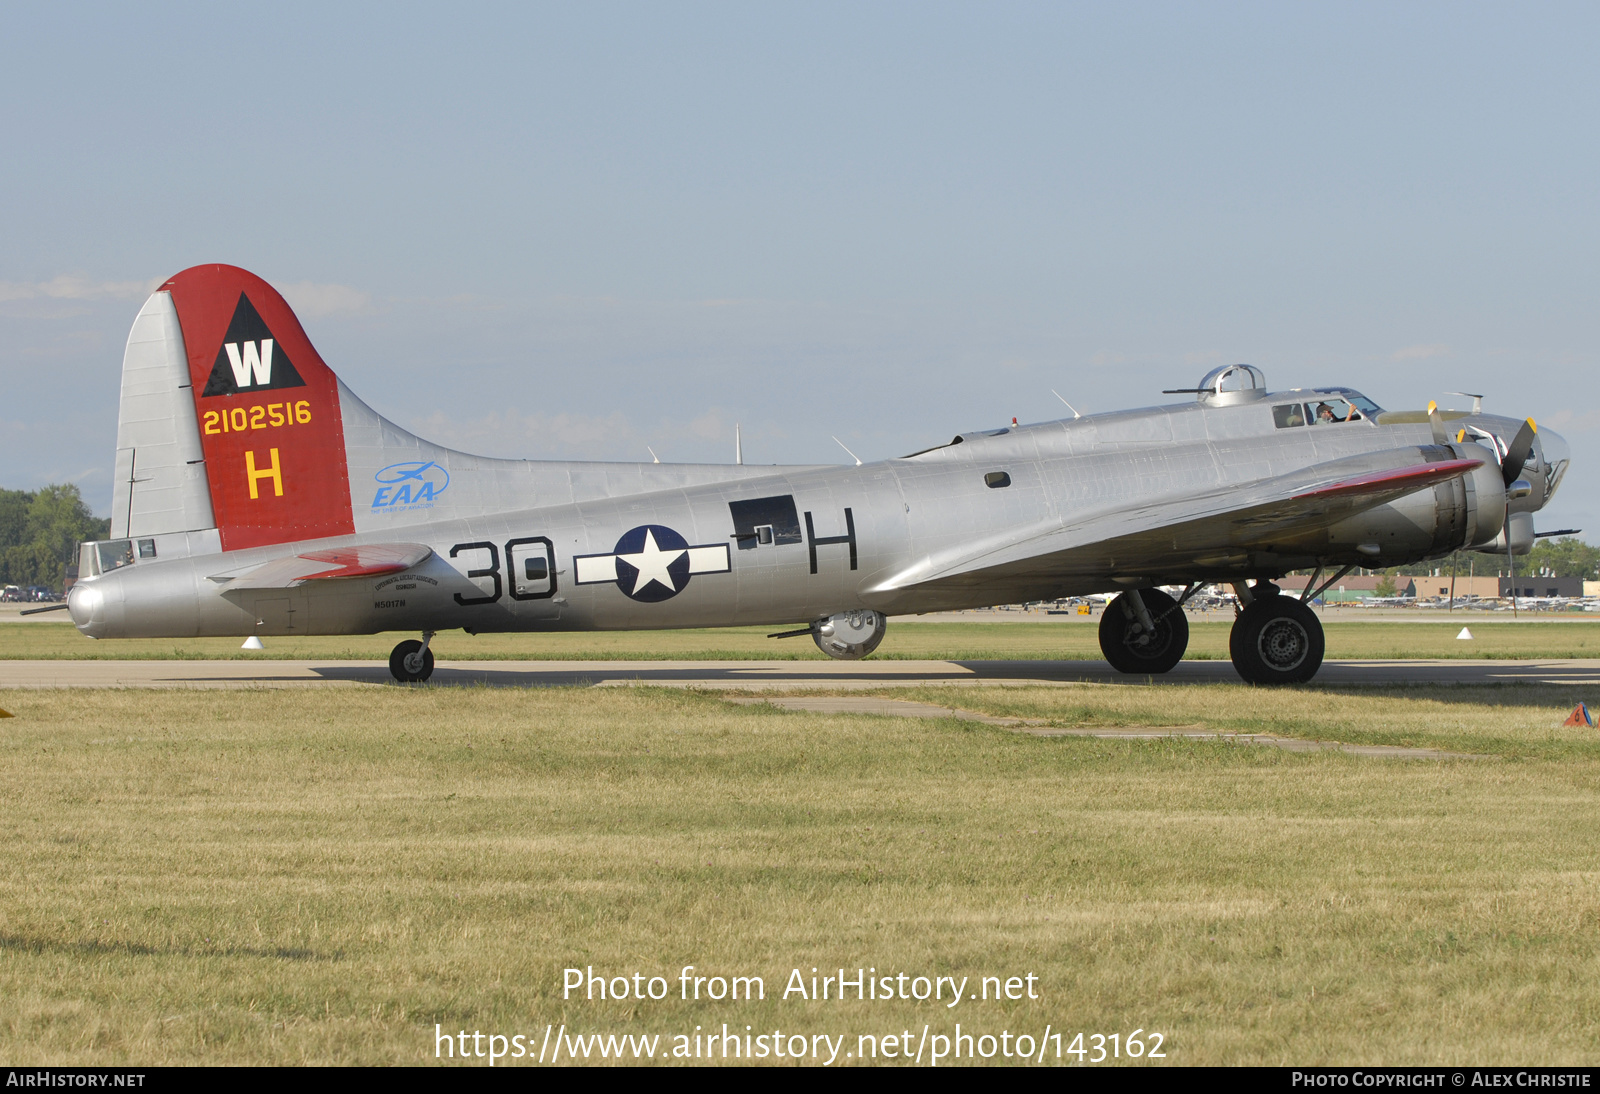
pixel 1143 631
pixel 1275 639
pixel 412 661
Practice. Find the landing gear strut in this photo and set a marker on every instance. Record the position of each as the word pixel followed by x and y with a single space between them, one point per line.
pixel 1276 639
pixel 1143 631
pixel 412 661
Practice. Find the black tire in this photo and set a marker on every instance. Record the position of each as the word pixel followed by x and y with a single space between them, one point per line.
pixel 397 662
pixel 1126 645
pixel 1276 640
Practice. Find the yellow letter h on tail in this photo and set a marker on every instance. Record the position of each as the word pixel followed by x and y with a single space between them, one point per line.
pixel 270 472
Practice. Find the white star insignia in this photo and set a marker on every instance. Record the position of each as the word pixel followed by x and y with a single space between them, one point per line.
pixel 652 563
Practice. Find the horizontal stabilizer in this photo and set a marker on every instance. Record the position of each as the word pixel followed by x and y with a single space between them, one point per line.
pixel 367 560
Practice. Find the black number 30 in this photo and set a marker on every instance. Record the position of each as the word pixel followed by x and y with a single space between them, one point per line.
pixel 493 571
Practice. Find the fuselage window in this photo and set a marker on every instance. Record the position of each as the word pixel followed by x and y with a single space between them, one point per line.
pixel 115 554
pixel 1287 415
pixel 994 480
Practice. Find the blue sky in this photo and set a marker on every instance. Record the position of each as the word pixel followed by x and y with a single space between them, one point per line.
pixel 577 230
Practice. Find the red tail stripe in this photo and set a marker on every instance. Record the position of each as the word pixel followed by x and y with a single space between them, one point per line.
pixel 275 454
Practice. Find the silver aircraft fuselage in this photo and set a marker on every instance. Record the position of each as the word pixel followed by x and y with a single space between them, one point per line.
pixel 257 495
pixel 856 537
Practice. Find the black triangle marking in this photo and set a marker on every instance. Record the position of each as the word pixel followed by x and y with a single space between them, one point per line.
pixel 246 333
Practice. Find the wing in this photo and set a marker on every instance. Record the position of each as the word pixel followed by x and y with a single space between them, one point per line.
pixel 1190 533
pixel 366 560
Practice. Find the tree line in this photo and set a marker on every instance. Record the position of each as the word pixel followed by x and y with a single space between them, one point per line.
pixel 1568 556
pixel 40 531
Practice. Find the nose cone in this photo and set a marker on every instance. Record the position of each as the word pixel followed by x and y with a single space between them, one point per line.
pixel 1556 455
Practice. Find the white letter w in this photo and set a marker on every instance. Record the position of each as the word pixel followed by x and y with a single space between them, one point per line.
pixel 254 361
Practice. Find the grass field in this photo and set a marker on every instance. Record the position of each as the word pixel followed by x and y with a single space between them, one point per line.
pixel 965 641
pixel 322 875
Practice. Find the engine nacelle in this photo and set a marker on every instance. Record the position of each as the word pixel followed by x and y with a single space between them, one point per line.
pixel 1463 512
pixel 1519 529
pixel 850 636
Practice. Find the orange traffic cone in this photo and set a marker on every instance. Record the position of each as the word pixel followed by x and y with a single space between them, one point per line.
pixel 1580 716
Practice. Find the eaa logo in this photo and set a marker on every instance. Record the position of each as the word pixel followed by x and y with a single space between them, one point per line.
pixel 250 359
pixel 413 485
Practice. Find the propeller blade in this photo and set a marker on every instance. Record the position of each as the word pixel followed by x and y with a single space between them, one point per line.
pixel 1440 434
pixel 1517 454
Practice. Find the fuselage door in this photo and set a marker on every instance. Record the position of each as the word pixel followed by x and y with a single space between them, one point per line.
pixel 277 616
pixel 532 564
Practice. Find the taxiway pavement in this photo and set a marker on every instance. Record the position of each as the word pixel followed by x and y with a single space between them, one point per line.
pixel 754 675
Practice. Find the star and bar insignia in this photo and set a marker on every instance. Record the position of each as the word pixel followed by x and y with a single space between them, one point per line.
pixel 652 563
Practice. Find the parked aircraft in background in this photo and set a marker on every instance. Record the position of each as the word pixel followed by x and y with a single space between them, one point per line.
pixel 256 495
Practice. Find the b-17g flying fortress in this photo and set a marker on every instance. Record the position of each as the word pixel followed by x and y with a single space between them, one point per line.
pixel 462 587
pixel 257 495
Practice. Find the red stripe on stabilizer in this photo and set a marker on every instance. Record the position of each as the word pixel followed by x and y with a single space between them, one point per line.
pixel 356 570
pixel 372 560
pixel 275 433
pixel 1401 478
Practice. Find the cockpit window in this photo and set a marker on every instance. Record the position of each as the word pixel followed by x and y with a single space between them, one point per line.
pixel 1332 406
pixel 1332 410
pixel 1326 409
pixel 1365 406
pixel 1329 411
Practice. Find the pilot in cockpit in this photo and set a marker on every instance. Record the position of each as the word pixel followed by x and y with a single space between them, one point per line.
pixel 1325 414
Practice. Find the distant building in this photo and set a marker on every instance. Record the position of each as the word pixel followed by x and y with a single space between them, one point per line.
pixel 1484 588
pixel 1541 586
pixel 1429 588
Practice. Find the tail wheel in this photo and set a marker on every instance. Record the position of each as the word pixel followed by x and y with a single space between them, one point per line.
pixel 410 663
pixel 1130 646
pixel 1276 640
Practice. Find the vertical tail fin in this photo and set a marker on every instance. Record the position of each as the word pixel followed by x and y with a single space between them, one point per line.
pixel 265 410
pixel 161 482
pixel 231 421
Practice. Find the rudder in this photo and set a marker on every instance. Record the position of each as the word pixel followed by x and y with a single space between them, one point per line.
pixel 267 410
